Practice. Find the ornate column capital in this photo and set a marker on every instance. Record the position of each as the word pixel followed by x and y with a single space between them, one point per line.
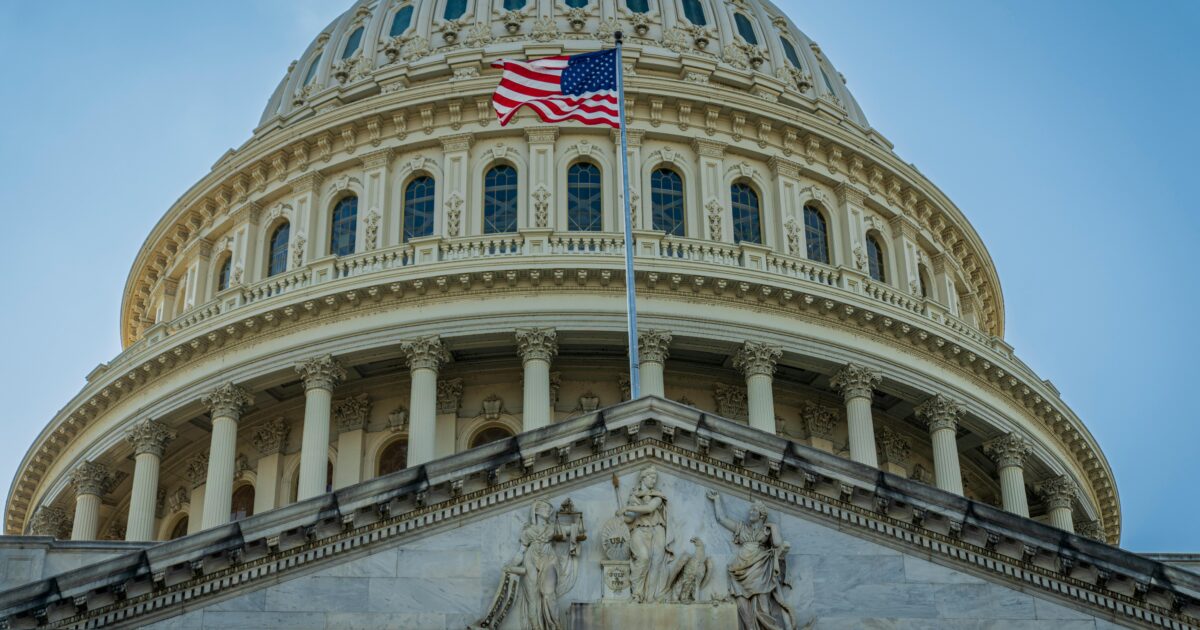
pixel 1091 529
pixel 893 447
pixel 1058 491
pixel 323 372
pixel 654 346
pixel 91 478
pixel 757 358
pixel 449 395
pixel 940 412
pixel 1009 450
pixel 731 401
pixel 537 343
pixel 856 381
pixel 150 436
pixel 49 521
pixel 227 400
pixel 425 352
pixel 197 469
pixel 271 437
pixel 351 414
pixel 818 420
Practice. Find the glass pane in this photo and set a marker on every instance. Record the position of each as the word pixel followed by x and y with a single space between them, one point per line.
pixel 312 70
pixel 583 198
pixel 277 261
pixel 242 504
pixel 694 12
pixel 500 200
pixel 345 224
pixel 402 20
pixel 489 435
pixel 513 5
pixel 455 9
pixel 223 277
pixel 577 4
pixel 352 43
pixel 789 51
pixel 418 208
pixel 828 83
pixel 816 236
pixel 666 201
pixel 875 258
pixel 745 29
pixel 638 6
pixel 394 457
pixel 746 225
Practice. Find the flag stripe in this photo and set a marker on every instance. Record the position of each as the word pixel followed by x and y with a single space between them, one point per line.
pixel 538 84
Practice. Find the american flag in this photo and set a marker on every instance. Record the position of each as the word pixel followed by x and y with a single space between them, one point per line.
pixel 576 87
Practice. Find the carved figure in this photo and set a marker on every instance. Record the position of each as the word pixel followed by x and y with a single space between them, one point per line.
pixel 645 512
pixel 691 573
pixel 758 573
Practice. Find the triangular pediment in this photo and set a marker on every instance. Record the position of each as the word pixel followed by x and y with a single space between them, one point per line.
pixel 427 547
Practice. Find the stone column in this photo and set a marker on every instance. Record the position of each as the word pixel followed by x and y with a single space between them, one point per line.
pixel 320 375
pixel 449 399
pixel 653 350
pixel 149 440
pixel 350 416
pixel 757 362
pixel 941 415
pixel 269 439
pixel 226 404
pixel 894 450
pixel 49 521
pixel 90 481
pixel 425 357
pixel 1009 453
pixel 197 472
pixel 857 384
pixel 1058 493
pixel 818 422
pixel 537 346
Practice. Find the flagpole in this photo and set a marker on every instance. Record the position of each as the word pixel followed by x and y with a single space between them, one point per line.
pixel 635 385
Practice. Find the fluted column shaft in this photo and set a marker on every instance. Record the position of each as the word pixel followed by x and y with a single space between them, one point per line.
pixel 226 404
pixel 425 357
pixel 90 481
pixel 1009 453
pixel 537 347
pixel 320 376
pixel 653 350
pixel 857 384
pixel 149 440
pixel 941 415
pixel 1059 493
pixel 756 361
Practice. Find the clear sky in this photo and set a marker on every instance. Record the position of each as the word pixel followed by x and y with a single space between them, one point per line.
pixel 1066 131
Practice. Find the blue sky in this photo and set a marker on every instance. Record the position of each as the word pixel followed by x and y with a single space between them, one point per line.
pixel 1064 130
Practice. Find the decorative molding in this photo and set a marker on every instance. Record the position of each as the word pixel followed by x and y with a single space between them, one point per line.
pixel 323 372
pixel 1009 450
pixel 227 401
pixel 654 346
pixel 426 353
pixel 537 344
pixel 150 436
pixel 856 381
pixel 449 395
pixel 351 414
pixel 755 358
pixel 91 478
pixel 940 412
pixel 1058 492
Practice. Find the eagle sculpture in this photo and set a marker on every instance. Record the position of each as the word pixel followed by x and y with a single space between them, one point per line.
pixel 690 574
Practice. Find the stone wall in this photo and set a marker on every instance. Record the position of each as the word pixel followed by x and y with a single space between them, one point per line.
pixel 25 559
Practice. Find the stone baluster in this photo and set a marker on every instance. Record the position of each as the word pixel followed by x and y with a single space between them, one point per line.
pixel 225 404
pixel 149 440
pixel 857 384
pixel 425 357
pixel 756 361
pixel 320 375
pixel 1009 453
pixel 269 439
pixel 653 349
pixel 536 346
pixel 90 481
pixel 941 415
pixel 1059 494
pixel 350 416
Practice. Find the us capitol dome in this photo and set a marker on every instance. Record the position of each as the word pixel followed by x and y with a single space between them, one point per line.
pixel 383 281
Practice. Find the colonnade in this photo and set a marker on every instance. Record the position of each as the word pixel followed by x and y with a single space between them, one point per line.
pixel 536 348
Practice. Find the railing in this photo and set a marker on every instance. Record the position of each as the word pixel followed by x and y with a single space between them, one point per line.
pixel 596 243
pixel 370 262
pixel 507 245
pixel 700 251
pixel 804 270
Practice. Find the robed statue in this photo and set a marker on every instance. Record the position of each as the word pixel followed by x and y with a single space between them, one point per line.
pixel 758 571
pixel 645 512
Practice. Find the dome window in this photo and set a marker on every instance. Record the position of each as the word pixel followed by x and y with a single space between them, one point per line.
pixel 875 259
pixel 816 235
pixel 223 275
pixel 577 4
pixel 401 21
pixel 747 224
pixel 242 503
pixel 278 257
pixel 500 200
pixel 514 5
pixel 789 51
pixel 454 9
pixel 489 435
pixel 638 6
pixel 352 43
pixel 666 201
pixel 745 29
pixel 584 198
pixel 393 458
pixel 828 83
pixel 694 12
pixel 418 208
pixel 345 224
pixel 312 69
pixel 923 280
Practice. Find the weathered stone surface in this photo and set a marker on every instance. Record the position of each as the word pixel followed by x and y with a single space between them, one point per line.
pixel 623 616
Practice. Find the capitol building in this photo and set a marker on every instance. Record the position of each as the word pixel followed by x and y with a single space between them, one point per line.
pixel 375 371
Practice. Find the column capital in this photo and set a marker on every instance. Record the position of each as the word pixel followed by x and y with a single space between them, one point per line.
pixel 757 358
pixel 425 353
pixel 351 414
pixel 537 343
pixel 197 469
pixel 323 372
pixel 1009 450
pixel 940 412
pixel 818 420
pixel 449 395
pixel 856 381
pixel 654 346
pixel 49 521
pixel 541 135
pixel 893 447
pixel 1091 529
pixel 150 436
pixel 1058 491
pixel 271 437
pixel 227 400
pixel 91 478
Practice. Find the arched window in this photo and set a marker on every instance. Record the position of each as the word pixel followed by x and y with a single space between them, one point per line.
pixel 828 83
pixel 638 6
pixel 312 69
pixel 694 12
pixel 277 257
pixel 666 201
pixel 454 9
pixel 401 21
pixel 746 221
pixel 489 435
pixel 577 4
pixel 583 198
pixel 352 43
pixel 418 208
pixel 816 235
pixel 345 224
pixel 745 29
pixel 242 504
pixel 923 280
pixel 224 273
pixel 500 200
pixel 179 530
pixel 394 457
pixel 789 51
pixel 875 259
pixel 514 5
